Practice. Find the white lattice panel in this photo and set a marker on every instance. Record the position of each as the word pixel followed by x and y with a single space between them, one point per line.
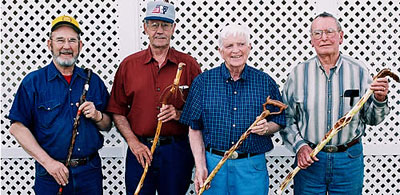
pixel 280 40
pixel 25 26
pixel 372 35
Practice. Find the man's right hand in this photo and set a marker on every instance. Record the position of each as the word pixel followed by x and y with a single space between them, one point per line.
pixel 304 159
pixel 58 170
pixel 200 177
pixel 141 152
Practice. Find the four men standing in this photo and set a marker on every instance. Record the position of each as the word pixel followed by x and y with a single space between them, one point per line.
pixel 221 105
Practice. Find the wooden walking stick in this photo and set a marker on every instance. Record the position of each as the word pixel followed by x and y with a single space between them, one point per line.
pixel 82 99
pixel 174 88
pixel 246 134
pixel 342 122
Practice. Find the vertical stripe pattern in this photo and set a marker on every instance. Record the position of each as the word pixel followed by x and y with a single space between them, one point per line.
pixel 317 100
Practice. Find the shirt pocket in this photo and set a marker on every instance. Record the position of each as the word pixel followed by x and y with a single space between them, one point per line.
pixel 48 112
pixel 98 103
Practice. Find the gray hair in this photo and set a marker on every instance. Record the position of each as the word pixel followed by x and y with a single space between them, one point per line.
pixel 327 15
pixel 233 29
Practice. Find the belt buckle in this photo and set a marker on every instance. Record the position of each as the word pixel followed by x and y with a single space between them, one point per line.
pixel 233 156
pixel 331 148
pixel 73 163
pixel 151 140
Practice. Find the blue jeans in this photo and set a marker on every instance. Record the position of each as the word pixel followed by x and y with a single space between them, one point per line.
pixel 335 173
pixel 83 179
pixel 170 171
pixel 246 176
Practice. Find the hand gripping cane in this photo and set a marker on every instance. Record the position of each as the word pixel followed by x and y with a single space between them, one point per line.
pixel 164 100
pixel 342 122
pixel 246 134
pixel 82 99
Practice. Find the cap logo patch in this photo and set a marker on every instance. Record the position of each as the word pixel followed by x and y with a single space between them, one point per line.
pixel 159 9
pixel 66 19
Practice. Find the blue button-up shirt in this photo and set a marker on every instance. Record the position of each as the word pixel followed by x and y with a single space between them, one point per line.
pixel 46 104
pixel 224 109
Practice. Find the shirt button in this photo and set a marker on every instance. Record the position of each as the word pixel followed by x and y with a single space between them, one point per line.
pixel 72 104
pixel 235 92
pixel 77 133
pixel 70 89
pixel 233 125
pixel 227 81
pixel 158 107
pixel 158 89
pixel 329 111
pixel 234 108
pixel 48 108
pixel 233 143
pixel 79 149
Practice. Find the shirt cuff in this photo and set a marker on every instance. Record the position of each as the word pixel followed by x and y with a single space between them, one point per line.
pixel 378 103
pixel 298 145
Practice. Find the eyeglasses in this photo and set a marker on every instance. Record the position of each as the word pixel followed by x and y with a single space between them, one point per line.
pixel 62 40
pixel 317 34
pixel 164 25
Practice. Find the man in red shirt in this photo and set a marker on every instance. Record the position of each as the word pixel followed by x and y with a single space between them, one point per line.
pixel 135 103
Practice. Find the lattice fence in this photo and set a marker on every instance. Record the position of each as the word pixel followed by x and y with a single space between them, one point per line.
pixel 280 40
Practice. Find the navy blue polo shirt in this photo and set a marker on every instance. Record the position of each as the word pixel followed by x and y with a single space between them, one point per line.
pixel 46 104
pixel 223 109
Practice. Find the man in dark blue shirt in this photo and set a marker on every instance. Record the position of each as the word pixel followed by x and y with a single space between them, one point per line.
pixel 43 112
pixel 222 104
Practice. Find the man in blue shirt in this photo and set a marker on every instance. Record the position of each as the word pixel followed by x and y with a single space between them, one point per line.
pixel 43 112
pixel 222 103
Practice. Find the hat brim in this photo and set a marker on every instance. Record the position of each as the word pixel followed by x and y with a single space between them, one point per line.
pixel 159 18
pixel 66 24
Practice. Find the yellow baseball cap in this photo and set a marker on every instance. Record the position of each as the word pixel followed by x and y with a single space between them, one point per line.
pixel 60 20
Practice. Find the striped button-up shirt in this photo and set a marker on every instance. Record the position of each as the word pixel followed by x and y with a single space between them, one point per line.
pixel 317 100
pixel 223 109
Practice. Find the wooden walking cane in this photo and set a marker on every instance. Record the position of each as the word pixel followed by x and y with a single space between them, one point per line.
pixel 342 122
pixel 246 134
pixel 82 99
pixel 164 100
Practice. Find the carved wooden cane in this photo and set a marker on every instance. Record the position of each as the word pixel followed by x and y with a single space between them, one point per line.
pixel 164 100
pixel 246 134
pixel 342 122
pixel 82 99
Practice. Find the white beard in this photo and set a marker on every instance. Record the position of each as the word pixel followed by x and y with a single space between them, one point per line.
pixel 65 63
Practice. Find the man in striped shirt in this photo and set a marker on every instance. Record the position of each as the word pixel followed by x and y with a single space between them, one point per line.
pixel 318 93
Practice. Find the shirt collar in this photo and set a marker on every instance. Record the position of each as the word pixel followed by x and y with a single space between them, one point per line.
pixel 171 56
pixel 52 72
pixel 335 68
pixel 226 75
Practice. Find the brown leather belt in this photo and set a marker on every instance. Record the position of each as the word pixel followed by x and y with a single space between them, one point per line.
pixel 339 148
pixel 235 155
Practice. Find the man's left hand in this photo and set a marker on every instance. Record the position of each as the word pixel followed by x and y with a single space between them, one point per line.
pixel 168 112
pixel 380 88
